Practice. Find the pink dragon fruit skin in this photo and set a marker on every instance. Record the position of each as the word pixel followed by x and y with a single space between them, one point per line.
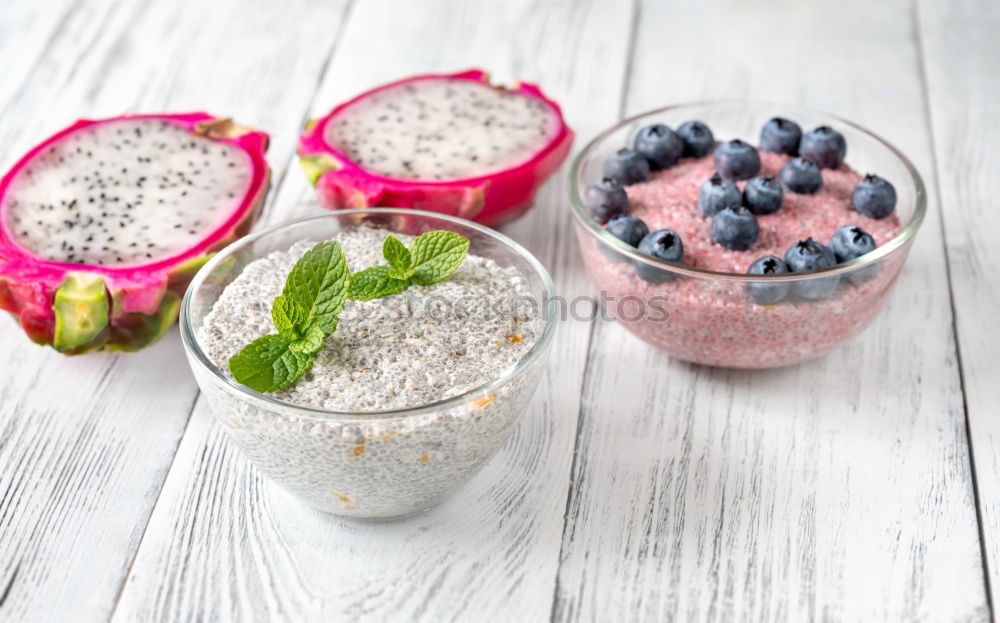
pixel 78 308
pixel 491 198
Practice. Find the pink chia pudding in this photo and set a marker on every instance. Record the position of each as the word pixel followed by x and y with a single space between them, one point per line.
pixel 669 200
pixel 714 321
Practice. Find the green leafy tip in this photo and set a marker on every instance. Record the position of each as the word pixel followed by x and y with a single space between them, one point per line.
pixel 309 307
pixel 317 285
pixel 268 364
pixel 398 256
pixel 436 255
pixel 432 257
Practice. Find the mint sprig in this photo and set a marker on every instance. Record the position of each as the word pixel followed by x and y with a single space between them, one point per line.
pixel 304 314
pixel 432 257
pixel 309 307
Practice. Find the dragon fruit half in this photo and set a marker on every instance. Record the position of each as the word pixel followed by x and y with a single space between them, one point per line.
pixel 103 225
pixel 448 143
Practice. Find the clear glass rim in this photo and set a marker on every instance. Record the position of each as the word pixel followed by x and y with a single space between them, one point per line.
pixel 197 355
pixel 898 242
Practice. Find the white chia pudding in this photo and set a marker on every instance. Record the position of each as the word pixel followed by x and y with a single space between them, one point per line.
pixel 418 347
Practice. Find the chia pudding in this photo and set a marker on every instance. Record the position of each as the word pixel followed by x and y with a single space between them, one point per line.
pixel 404 353
pixel 716 320
pixel 669 200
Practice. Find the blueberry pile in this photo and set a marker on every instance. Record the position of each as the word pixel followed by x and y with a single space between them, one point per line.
pixel 848 242
pixel 654 148
pixel 734 210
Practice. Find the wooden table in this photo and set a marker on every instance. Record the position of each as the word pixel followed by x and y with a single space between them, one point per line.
pixel 863 486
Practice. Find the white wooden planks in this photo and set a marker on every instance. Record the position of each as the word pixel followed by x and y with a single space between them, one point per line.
pixel 961 57
pixel 85 443
pixel 232 548
pixel 839 489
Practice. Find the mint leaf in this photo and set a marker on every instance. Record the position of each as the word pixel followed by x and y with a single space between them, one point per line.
pixel 398 256
pixel 310 343
pixel 373 283
pixel 268 364
pixel 310 304
pixel 436 255
pixel 288 317
pixel 318 285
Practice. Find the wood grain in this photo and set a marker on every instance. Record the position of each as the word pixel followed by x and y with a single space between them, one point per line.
pixel 491 551
pixel 961 53
pixel 85 443
pixel 836 490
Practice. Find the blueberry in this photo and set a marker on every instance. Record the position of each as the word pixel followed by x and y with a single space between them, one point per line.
pixel 808 255
pixel 768 293
pixel 801 176
pixel 717 193
pixel 628 229
pixel 849 242
pixel 626 166
pixel 659 144
pixel 665 245
pixel 736 160
pixel 781 136
pixel 605 200
pixel 824 146
pixel 698 139
pixel 874 197
pixel 762 195
pixel 735 228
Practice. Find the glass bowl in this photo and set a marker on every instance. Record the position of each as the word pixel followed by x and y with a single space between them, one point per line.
pixel 369 464
pixel 707 317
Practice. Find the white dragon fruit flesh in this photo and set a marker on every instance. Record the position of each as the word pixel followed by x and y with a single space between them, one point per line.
pixel 103 225
pixel 450 143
